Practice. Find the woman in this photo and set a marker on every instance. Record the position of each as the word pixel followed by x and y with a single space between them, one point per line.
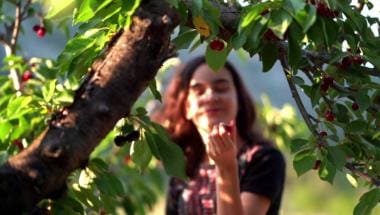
pixel 231 168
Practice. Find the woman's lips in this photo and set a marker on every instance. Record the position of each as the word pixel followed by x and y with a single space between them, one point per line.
pixel 212 110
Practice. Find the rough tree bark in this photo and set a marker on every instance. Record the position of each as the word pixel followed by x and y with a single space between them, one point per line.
pixel 113 85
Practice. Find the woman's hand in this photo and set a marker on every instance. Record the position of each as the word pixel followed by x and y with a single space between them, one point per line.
pixel 222 147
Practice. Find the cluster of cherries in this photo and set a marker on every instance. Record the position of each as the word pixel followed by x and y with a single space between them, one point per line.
pixel 39 30
pixel 350 60
pixel 327 82
pixel 121 140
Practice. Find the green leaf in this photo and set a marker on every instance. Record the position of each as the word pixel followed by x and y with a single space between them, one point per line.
pixel 18 106
pixel 367 202
pixel 254 39
pixel 115 184
pixel 173 3
pixel 304 161
pixel 130 7
pixel 153 89
pixel 108 184
pixel 68 204
pixel 294 50
pixel 212 15
pixel 297 5
pixel 342 113
pixel 89 8
pixel 140 154
pixel 327 171
pixel 5 129
pixel 98 165
pixel 337 156
pixel 238 39
pixel 22 127
pixel 357 20
pixel 48 91
pixel 363 100
pixel 315 33
pixel 298 144
pixel 216 59
pixel 279 22
pixel 269 56
pixel 315 94
pixel 372 56
pixel 306 18
pixel 250 13
pixel 298 80
pixel 197 6
pixel 152 139
pixel 170 153
pixel 184 40
pixel 60 9
pixel 357 126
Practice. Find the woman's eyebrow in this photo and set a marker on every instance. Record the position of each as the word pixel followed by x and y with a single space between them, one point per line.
pixel 195 85
pixel 220 81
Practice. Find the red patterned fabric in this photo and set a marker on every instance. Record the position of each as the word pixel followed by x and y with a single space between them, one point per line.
pixel 261 171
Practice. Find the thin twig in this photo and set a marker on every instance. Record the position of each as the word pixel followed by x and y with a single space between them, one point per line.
pixel 294 91
pixel 12 47
pixel 24 12
pixel 363 175
pixel 16 27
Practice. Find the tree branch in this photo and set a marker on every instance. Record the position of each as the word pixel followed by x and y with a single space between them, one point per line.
pixel 114 85
pixel 16 27
pixel 363 175
pixel 293 89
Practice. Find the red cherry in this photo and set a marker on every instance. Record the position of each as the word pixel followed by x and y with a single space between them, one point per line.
pixel 327 82
pixel 217 45
pixel 36 28
pixel 27 75
pixel 323 134
pixel 357 59
pixel 228 128
pixel 329 116
pixel 323 10
pixel 346 62
pixel 317 164
pixel 270 36
pixel 19 145
pixel 324 87
pixel 41 32
pixel 355 106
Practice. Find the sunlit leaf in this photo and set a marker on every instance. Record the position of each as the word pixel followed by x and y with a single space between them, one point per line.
pixel 367 202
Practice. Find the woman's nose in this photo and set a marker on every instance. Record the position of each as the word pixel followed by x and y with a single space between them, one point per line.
pixel 210 95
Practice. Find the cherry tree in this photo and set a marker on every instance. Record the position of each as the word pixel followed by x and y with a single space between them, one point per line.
pixel 58 116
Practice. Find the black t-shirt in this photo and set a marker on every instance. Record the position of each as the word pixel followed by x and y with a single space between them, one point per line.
pixel 261 171
pixel 264 174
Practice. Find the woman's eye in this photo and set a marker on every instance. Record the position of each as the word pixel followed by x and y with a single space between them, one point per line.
pixel 221 89
pixel 197 90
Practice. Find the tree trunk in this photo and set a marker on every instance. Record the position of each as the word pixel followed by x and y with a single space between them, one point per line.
pixel 112 86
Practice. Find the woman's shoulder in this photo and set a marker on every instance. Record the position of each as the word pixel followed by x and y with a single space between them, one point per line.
pixel 262 152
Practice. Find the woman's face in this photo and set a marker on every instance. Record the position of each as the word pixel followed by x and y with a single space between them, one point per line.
pixel 212 98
